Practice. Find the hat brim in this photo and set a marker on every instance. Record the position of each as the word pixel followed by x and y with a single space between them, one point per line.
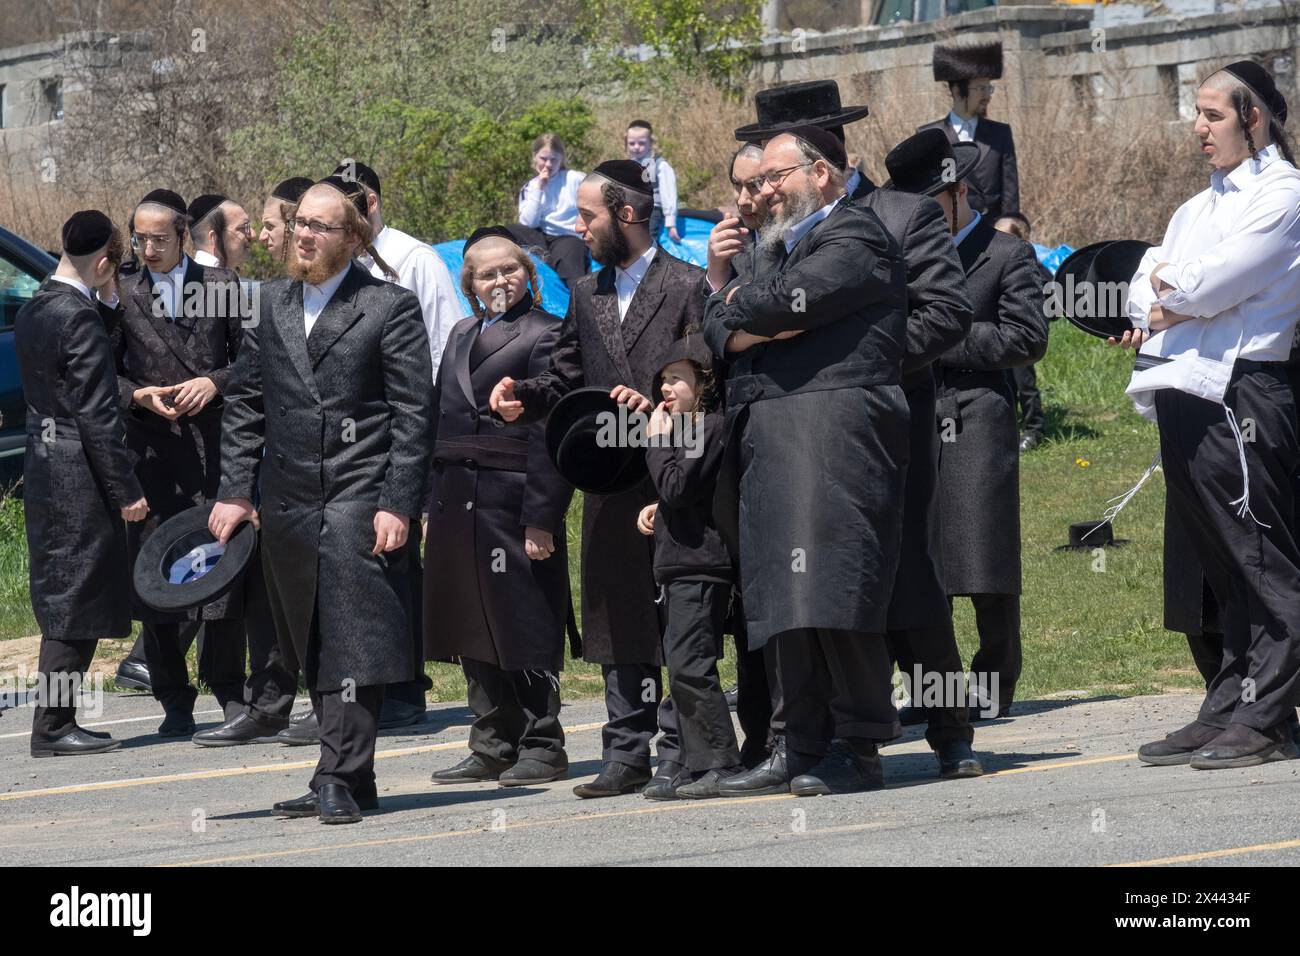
pixel 175 539
pixel 1117 543
pixel 761 131
pixel 966 157
pixel 1076 265
pixel 571 430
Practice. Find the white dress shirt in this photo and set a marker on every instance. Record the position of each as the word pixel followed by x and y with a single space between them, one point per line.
pixel 76 284
pixel 964 128
pixel 1234 264
pixel 205 258
pixel 316 297
pixel 967 229
pixel 665 182
pixel 170 286
pixel 420 269
pixel 553 210
pixel 796 232
pixel 627 280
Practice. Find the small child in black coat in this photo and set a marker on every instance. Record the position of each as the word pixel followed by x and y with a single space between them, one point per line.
pixel 691 565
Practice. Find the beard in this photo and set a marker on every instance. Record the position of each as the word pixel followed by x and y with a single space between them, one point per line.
pixel 610 247
pixel 319 269
pixel 796 207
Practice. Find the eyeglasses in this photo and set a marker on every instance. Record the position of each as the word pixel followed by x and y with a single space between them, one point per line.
pixel 506 272
pixel 160 243
pixel 245 230
pixel 984 88
pixel 315 226
pixel 774 178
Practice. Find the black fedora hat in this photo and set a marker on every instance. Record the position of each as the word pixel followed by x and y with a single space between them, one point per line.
pixel 815 103
pixel 927 163
pixel 1099 310
pixel 573 440
pixel 1086 535
pixel 181 565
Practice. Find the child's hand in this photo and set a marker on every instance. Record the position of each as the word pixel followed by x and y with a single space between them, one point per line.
pixel 661 423
pixel 538 544
pixel 645 521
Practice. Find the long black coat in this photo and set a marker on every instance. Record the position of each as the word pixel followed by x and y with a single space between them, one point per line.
pixel 979 447
pixel 994 183
pixel 178 462
pixel 484 598
pixel 344 417
pixel 821 424
pixel 938 317
pixel 77 471
pixel 620 622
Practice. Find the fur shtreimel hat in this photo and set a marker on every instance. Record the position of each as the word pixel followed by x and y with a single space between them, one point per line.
pixel 953 64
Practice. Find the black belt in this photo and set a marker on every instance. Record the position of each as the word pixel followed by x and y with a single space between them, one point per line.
pixel 962 378
pixel 483 451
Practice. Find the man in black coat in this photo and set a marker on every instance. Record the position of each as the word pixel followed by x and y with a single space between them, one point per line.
pixel 333 383
pixel 979 458
pixel 817 338
pixel 175 340
pixel 78 480
pixel 969 72
pixel 620 322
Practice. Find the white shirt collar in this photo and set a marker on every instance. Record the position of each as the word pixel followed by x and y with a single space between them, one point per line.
pixel 959 124
pixel 801 228
pixel 205 258
pixel 967 229
pixel 325 291
pixel 1247 171
pixel 176 273
pixel 637 270
pixel 851 184
pixel 76 284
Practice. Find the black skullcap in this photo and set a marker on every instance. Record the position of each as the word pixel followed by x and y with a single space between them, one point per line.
pixel 644 124
pixel 291 190
pixel 165 197
pixel 203 207
pixel 627 173
pixel 487 232
pixel 350 190
pixel 824 141
pixel 1261 84
pixel 86 232
pixel 351 169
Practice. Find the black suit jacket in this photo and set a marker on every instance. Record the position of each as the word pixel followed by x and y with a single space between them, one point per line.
pixel 344 417
pixel 995 181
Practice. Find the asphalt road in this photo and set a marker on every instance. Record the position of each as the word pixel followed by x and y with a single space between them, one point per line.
pixel 1064 787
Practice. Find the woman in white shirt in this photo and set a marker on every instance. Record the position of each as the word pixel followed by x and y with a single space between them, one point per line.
pixel 548 210
pixel 1214 309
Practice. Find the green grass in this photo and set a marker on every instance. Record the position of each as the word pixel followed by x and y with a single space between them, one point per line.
pixel 1091 631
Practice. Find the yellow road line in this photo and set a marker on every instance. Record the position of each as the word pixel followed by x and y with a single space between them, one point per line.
pixel 1038 768
pixel 1212 854
pixel 236 771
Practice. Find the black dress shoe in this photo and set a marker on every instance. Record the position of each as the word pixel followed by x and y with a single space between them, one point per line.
pixel 308 805
pixel 1031 441
pixel 337 805
pixel 133 675
pixel 475 768
pixel 75 743
pixel 528 772
pixel 615 778
pixel 957 760
pixel 663 785
pixel 244 728
pixel 398 713
pixel 851 767
pixel 1177 748
pixel 978 713
pixel 1242 746
pixel 303 730
pixel 910 716
pixel 177 723
pixel 706 787
pixel 770 776
pixel 732 695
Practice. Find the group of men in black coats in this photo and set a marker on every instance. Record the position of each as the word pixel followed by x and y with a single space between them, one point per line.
pixel 867 330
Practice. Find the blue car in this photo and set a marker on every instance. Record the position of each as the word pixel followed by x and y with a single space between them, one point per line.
pixel 23 267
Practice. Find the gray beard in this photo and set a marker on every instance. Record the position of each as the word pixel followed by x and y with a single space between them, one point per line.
pixel 795 209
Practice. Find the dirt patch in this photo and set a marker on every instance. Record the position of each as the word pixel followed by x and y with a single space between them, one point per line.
pixel 20 656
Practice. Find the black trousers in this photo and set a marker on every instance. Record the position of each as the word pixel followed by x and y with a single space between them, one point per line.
pixel 637 709
pixel 567 255
pixel 1030 399
pixel 347 738
pixel 692 645
pixel 412 691
pixel 517 714
pixel 60 665
pixel 1252 565
pixel 934 651
pixel 835 683
pixel 271 686
pixel 997 619
pixel 758 699
pixel 221 661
